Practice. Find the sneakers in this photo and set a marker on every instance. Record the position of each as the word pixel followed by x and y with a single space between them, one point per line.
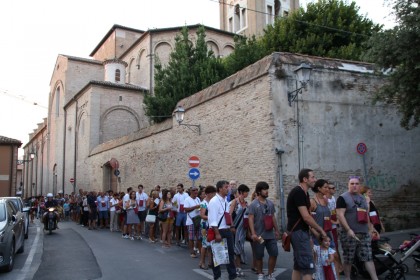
pixel 271 277
pixel 132 238
pixel 125 236
pixel 239 272
pixel 260 276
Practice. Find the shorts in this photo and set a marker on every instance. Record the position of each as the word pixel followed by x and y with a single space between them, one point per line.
pixel 303 260
pixel 270 245
pixel 181 219
pixel 351 246
pixel 103 215
pixel 93 215
pixel 142 215
pixel 194 233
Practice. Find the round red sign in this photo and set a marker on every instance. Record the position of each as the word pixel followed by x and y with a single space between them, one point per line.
pixel 361 148
pixel 194 161
pixel 71 180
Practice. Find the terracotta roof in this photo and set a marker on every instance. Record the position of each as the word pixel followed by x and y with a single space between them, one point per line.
pixel 7 140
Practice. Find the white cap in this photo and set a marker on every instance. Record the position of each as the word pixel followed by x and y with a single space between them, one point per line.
pixel 49 195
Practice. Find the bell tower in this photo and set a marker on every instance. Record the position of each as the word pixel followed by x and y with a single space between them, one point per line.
pixel 249 17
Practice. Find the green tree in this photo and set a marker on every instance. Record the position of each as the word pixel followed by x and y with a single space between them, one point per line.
pixel 329 28
pixel 397 51
pixel 191 68
pixel 247 51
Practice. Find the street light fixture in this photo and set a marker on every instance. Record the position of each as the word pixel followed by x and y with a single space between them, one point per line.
pixel 179 116
pixel 303 73
pixel 31 157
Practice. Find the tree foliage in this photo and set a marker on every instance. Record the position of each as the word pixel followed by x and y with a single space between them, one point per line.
pixel 329 28
pixel 397 50
pixel 191 68
pixel 247 51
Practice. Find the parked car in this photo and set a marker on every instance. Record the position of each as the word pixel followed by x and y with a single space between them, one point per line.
pixel 12 236
pixel 17 201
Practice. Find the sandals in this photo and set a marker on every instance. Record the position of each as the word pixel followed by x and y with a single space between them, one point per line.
pixel 193 256
pixel 203 267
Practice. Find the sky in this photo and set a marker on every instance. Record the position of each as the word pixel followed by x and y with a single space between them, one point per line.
pixel 34 33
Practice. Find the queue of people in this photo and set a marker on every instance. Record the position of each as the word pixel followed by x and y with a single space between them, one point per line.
pixel 200 216
pixel 318 224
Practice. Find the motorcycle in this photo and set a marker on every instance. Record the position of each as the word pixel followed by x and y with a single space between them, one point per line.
pixel 50 220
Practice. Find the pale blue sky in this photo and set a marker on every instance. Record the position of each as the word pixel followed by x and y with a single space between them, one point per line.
pixel 35 32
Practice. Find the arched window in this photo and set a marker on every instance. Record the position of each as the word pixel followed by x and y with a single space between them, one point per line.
pixel 117 75
pixel 57 102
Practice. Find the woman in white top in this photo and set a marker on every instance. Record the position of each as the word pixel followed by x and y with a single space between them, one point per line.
pixel 113 225
pixel 132 217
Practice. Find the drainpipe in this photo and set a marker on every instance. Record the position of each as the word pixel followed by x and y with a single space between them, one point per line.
pixel 279 152
pixel 64 150
pixel 75 147
pixel 151 63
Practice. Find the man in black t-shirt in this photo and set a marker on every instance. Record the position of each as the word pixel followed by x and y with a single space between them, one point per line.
pixel 298 221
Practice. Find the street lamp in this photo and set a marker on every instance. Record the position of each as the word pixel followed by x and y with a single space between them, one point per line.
pixel 303 73
pixel 31 157
pixel 179 116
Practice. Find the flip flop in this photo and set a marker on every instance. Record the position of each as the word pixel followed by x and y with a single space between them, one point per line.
pixel 193 256
pixel 203 267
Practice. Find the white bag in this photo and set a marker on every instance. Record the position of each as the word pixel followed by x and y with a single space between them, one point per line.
pixel 150 218
pixel 220 252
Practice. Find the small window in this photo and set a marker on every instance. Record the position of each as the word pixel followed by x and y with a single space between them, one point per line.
pixel 117 75
pixel 120 98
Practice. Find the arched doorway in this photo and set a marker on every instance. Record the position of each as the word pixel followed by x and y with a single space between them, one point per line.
pixel 110 175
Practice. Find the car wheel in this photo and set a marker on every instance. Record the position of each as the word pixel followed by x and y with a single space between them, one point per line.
pixel 11 263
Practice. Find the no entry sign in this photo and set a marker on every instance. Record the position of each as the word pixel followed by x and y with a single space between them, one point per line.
pixel 72 180
pixel 194 161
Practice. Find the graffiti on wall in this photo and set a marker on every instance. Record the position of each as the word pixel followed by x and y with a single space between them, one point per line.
pixel 383 182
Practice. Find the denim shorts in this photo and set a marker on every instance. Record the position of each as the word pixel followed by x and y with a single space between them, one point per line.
pixel 181 219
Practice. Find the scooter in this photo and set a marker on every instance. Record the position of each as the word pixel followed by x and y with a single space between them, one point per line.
pixel 50 220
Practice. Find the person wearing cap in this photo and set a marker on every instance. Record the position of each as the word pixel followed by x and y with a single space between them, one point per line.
pixel 192 207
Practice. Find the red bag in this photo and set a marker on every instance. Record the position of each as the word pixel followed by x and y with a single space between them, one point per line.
pixel 328 272
pixel 285 239
pixel 333 215
pixel 246 223
pixel 268 222
pixel 141 202
pixel 228 218
pixel 374 218
pixel 327 224
pixel 181 208
pixel 136 210
pixel 210 235
pixel 362 217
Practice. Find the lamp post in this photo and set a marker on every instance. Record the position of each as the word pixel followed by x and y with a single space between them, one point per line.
pixel 179 116
pixel 303 73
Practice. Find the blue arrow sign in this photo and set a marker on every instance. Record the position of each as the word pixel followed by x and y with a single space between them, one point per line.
pixel 194 174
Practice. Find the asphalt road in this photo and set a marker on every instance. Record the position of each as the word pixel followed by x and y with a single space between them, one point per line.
pixel 73 252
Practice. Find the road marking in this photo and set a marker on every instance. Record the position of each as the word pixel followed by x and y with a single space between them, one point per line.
pixel 29 259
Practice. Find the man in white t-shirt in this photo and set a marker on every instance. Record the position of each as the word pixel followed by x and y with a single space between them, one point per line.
pixel 113 224
pixel 192 207
pixel 220 221
pixel 181 216
pixel 126 198
pixel 141 198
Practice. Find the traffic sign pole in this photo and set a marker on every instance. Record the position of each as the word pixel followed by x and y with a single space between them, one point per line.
pixel 361 149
